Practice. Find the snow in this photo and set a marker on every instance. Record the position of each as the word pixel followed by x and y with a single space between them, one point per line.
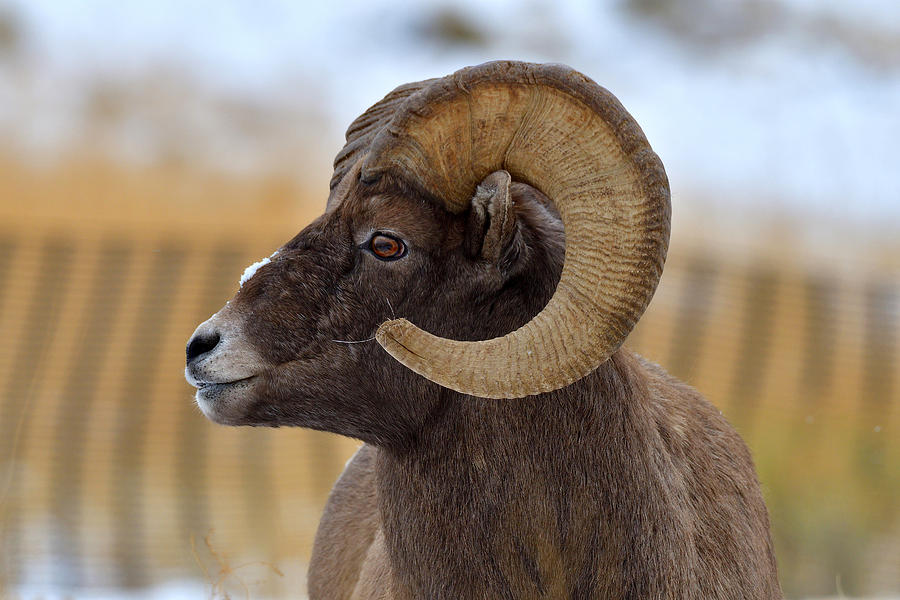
pixel 168 590
pixel 252 269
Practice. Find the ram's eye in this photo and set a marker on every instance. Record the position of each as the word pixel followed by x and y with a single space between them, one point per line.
pixel 387 247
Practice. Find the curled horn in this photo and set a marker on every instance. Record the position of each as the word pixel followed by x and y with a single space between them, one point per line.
pixel 555 129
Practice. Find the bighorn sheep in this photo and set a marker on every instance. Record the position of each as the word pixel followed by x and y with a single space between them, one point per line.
pixel 517 212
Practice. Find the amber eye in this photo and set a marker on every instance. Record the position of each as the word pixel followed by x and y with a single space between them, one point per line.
pixel 386 247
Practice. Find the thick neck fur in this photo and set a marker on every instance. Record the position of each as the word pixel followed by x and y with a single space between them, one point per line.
pixel 562 495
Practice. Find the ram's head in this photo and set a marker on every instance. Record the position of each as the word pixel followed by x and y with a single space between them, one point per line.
pixel 439 219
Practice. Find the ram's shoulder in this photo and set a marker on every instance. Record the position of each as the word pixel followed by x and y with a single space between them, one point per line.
pixel 691 425
pixel 347 529
pixel 676 397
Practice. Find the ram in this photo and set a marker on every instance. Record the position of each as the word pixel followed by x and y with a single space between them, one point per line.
pixel 489 241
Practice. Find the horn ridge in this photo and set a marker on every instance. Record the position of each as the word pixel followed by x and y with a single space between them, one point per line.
pixel 555 129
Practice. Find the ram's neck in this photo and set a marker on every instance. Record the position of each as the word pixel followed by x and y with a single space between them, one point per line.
pixel 538 497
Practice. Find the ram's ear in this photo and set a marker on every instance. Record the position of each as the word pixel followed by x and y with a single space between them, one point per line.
pixel 491 225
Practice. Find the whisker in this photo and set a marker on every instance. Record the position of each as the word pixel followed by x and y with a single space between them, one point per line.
pixel 354 341
pixel 393 315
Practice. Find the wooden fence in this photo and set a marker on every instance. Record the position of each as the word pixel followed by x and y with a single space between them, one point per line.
pixel 108 470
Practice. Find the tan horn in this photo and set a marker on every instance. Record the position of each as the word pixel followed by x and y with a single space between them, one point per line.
pixel 557 130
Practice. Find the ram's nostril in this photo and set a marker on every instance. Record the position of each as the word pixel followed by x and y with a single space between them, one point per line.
pixel 200 344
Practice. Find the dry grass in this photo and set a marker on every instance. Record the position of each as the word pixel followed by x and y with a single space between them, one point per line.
pixel 224 576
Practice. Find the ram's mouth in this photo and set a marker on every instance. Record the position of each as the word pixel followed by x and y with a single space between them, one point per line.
pixel 212 385
pixel 202 380
pixel 225 402
pixel 211 395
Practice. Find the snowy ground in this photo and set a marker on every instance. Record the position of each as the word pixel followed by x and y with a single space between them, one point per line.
pixel 782 105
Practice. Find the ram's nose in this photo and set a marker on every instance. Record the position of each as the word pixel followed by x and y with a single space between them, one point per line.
pixel 203 342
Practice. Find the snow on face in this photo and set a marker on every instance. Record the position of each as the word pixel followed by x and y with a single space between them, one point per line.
pixel 252 269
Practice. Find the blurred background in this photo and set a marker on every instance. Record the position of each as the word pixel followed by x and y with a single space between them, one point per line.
pixel 150 150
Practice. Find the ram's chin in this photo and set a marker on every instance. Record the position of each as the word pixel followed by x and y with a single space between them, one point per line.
pixel 226 403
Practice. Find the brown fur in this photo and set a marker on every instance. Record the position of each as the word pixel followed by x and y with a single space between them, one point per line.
pixel 626 484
